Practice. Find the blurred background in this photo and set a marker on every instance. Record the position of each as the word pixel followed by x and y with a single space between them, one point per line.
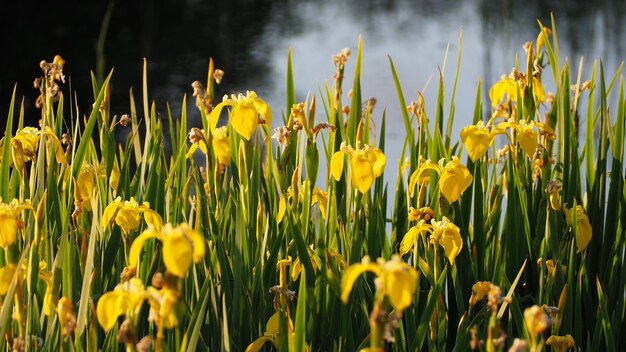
pixel 249 40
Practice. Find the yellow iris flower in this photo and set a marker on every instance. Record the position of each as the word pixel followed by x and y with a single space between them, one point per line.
pixel 527 137
pixel 126 214
pixel 366 164
pixel 583 226
pixel 244 116
pixel 10 220
pixel 397 280
pixel 561 343
pixel 444 233
pixel 448 235
pixel 477 139
pixel 26 142
pixel 454 177
pixel 182 246
pixel 127 299
pixel 479 291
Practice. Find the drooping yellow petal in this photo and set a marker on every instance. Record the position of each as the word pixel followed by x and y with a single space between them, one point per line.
pixel 378 160
pixel 584 230
pixel 477 139
pixel 538 92
pixel 6 276
pixel 192 149
pixel 542 37
pixel 137 245
pixel 48 304
pixel 336 164
pixel 17 153
pixel 244 119
pixel 114 178
pixel 400 281
pixel 197 242
pixel 152 217
pixel 110 306
pixel 109 212
pixel 177 253
pixel 263 109
pixel 56 145
pixel 282 207
pixel 215 113
pixel 479 291
pixel 9 220
pixel 422 174
pixel 221 145
pixel 506 86
pixel 362 172
pixel 8 229
pixel 454 179
pixel 527 138
pixel 273 324
pixel 561 343
pixel 352 273
pixel 85 185
pixel 321 198
pixel 409 239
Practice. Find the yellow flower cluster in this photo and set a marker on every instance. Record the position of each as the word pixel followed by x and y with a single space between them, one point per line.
pixel 25 143
pixel 478 138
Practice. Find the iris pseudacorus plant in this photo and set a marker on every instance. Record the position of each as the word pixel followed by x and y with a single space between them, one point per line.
pixel 366 164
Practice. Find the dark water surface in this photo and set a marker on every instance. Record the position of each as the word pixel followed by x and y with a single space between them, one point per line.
pixel 249 40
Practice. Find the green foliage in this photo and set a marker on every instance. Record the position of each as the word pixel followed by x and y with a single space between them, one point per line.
pixel 287 256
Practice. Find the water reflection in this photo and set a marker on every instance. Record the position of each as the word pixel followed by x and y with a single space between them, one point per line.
pixel 249 40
